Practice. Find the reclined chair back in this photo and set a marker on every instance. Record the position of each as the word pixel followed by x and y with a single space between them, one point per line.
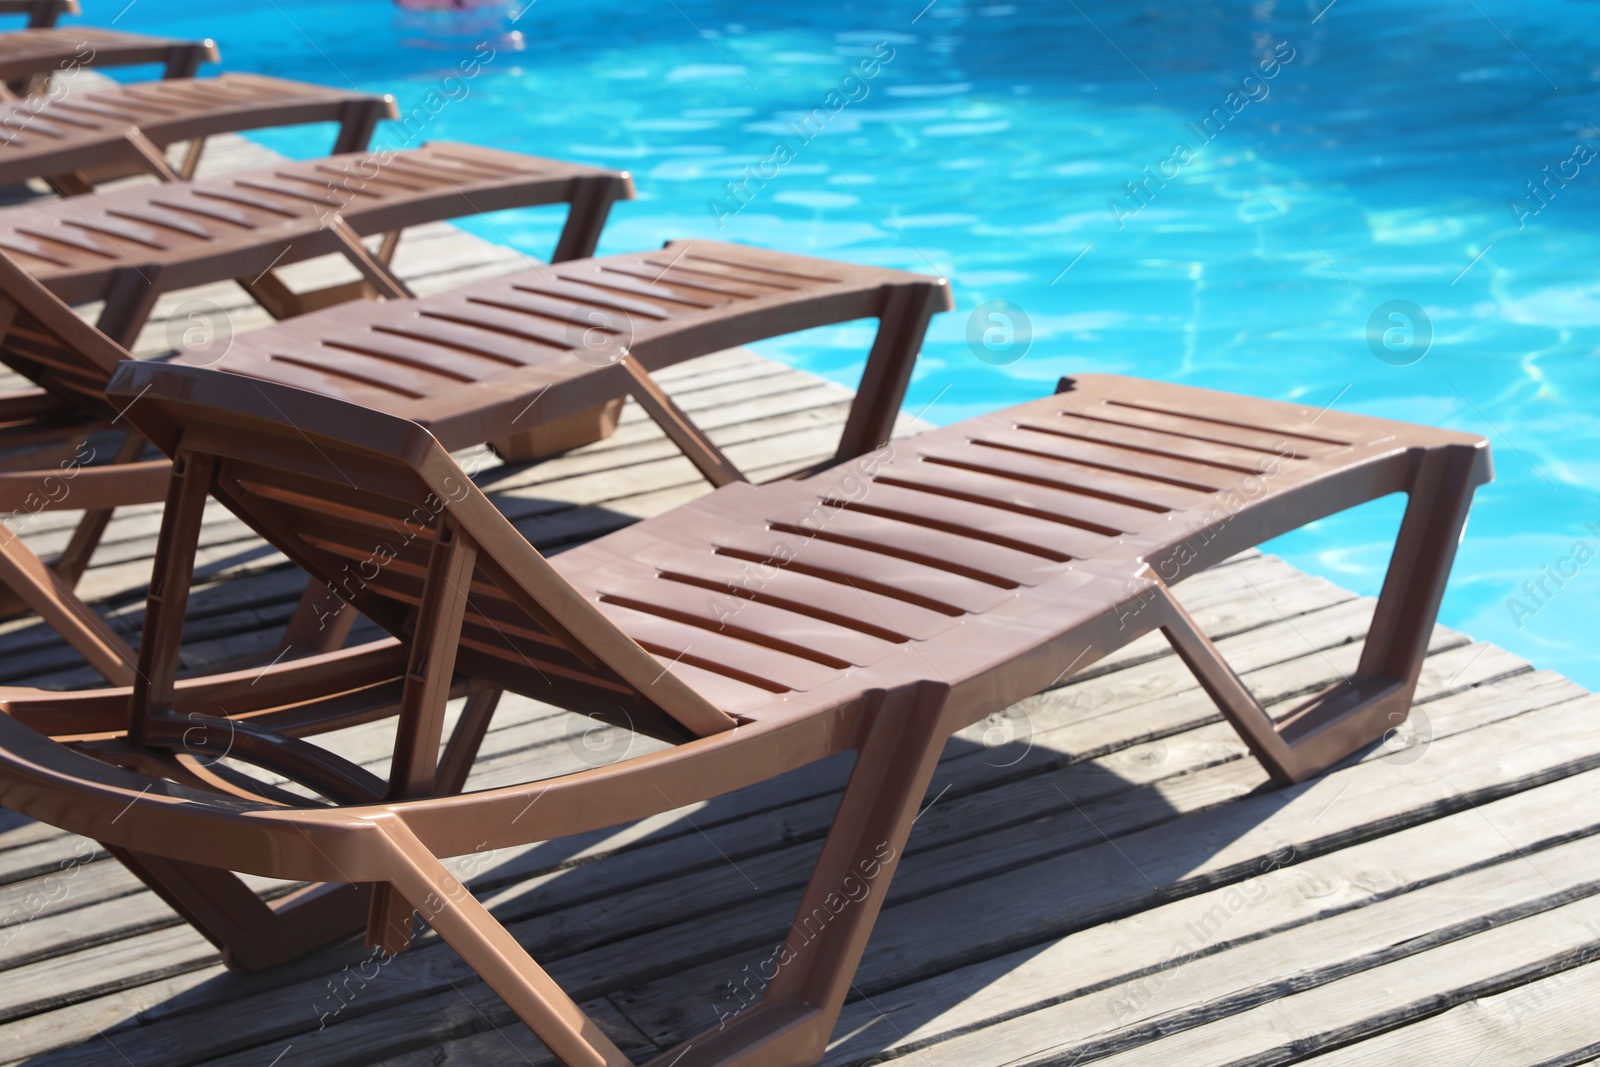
pixel 45 341
pixel 372 506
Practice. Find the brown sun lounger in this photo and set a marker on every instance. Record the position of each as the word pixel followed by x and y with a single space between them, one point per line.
pixel 92 135
pixel 535 363
pixel 29 57
pixel 128 246
pixel 877 606
pixel 42 14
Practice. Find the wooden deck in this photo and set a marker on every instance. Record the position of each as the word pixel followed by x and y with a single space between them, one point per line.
pixel 1101 874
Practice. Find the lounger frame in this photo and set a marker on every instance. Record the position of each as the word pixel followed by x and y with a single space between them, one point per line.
pixel 42 14
pixel 540 393
pixel 274 462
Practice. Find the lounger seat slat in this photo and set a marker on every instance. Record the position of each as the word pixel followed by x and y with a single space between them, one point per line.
pixel 1096 454
pixel 126 229
pixel 980 522
pixel 614 281
pixel 683 283
pixel 250 194
pixel 737 695
pixel 1227 461
pixel 578 295
pixel 1261 439
pixel 21 246
pixel 730 580
pixel 1266 445
pixel 684 276
pixel 771 667
pixel 582 314
pixel 116 113
pixel 168 218
pixel 444 361
pixel 71 235
pixel 761 261
pixel 755 620
pixel 501 316
pixel 352 374
pixel 1044 502
pixel 989 564
pixel 375 369
pixel 860 565
pixel 987 455
pixel 212 207
pixel 1269 422
pixel 433 332
pixel 722 276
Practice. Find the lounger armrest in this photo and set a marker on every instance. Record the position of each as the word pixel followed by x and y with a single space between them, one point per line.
pixel 23 404
pixel 84 488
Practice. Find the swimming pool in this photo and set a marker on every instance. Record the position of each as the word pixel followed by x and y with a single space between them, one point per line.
pixel 1386 207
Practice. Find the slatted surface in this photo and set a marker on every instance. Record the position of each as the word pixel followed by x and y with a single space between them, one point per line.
pixel 51 133
pixel 24 53
pixel 464 362
pixel 1100 875
pixel 970 547
pixel 241 225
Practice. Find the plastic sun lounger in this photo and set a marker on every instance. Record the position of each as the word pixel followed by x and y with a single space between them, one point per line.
pixel 128 246
pixel 42 14
pixel 91 135
pixel 28 57
pixel 877 606
pixel 535 362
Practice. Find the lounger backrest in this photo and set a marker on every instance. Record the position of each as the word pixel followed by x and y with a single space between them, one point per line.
pixel 365 502
pixel 44 340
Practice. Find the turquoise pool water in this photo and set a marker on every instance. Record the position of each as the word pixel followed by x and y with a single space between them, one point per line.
pixel 1336 160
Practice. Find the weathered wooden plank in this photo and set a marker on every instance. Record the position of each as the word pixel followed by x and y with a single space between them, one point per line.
pixel 1547 1021
pixel 1328 884
pixel 1201 978
pixel 1491 961
pixel 1077 877
pixel 1134 955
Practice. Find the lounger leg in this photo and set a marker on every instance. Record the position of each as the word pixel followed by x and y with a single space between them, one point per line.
pixel 321 621
pixel 129 301
pixel 491 951
pixel 387 246
pixel 42 14
pixel 69 183
pixel 1359 710
pixel 414 770
pixel 191 158
pixel 465 741
pixel 183 60
pixel 357 120
pixel 74 559
pixel 791 1025
pixel 41 589
pixel 250 933
pixel 591 204
pixel 1424 551
pixel 554 436
pixel 901 326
